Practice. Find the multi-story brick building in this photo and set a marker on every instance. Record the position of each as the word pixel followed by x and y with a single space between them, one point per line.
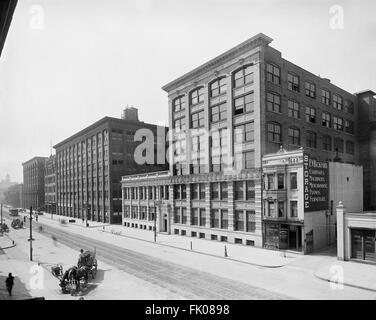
pixel 50 185
pixel 223 117
pixel 91 162
pixel 33 183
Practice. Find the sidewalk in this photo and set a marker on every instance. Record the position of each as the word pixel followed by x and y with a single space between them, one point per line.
pixel 6 242
pixel 354 274
pixel 240 253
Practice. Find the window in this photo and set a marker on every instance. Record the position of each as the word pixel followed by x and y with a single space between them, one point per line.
pixel 177 194
pixel 310 89
pixel 273 73
pixel 239 220
pixel 239 190
pixel 327 143
pixel 349 126
pixel 202 217
pixel 311 141
pixel 270 181
pixel 350 147
pixel 243 76
pixel 224 191
pixel 325 97
pixel 293 109
pixel 326 119
pixel 281 209
pixel 337 102
pixel 197 96
pixel 338 145
pixel 293 180
pixel 195 191
pixel 184 215
pixel 294 209
pixel 274 132
pixel 244 104
pixel 250 190
pixel 271 208
pixel 349 106
pixel 215 191
pixel 218 87
pixel 194 216
pixel 202 191
pixel 337 123
pixel 251 221
pixel 224 219
pixel 179 124
pixel 183 191
pixel 273 102
pixel 280 181
pixel 214 218
pixel 179 104
pixel 245 160
pixel 293 82
pixel 177 215
pixel 219 112
pixel 244 133
pixel 294 136
pixel 197 119
pixel 310 114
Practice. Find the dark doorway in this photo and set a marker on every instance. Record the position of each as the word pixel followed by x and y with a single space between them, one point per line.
pixel 165 225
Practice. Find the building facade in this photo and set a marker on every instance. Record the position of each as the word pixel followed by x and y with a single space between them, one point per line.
pixel 223 117
pixel 89 166
pixel 356 235
pixel 50 185
pixel 33 183
pixel 299 194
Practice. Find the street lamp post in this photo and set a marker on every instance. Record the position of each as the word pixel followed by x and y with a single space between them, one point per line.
pixel 159 205
pixel 31 234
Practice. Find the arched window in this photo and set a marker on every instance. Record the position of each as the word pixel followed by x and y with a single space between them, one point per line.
pixel 196 96
pixel 243 77
pixel 178 104
pixel 218 87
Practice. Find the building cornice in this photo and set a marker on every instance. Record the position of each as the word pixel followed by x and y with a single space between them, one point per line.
pixel 258 40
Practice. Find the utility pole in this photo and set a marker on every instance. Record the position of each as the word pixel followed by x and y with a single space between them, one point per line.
pixel 1 214
pixel 31 234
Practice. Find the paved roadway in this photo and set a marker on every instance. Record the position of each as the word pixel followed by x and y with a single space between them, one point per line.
pixel 184 281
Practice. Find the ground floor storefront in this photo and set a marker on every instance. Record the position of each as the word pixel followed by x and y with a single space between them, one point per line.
pixel 363 244
pixel 283 236
pixel 356 235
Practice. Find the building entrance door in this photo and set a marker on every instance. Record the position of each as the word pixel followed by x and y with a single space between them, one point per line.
pixel 295 238
pixel 165 224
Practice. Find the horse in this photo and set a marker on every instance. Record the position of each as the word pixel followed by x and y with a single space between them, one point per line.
pixel 77 274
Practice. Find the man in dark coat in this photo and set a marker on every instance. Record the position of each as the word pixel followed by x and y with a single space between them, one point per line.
pixel 9 282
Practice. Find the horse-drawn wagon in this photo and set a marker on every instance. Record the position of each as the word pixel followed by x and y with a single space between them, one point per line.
pixel 86 267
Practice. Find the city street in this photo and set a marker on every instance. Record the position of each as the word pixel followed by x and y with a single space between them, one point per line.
pixel 162 272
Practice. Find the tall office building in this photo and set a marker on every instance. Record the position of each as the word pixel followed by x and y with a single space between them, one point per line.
pixel 91 162
pixel 223 117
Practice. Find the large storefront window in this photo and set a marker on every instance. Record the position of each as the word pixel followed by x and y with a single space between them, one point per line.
pixel 363 244
pixel 283 236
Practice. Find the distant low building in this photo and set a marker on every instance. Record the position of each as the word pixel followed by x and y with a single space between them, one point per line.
pixel 13 196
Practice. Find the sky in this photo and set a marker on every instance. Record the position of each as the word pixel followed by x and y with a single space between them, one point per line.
pixel 66 64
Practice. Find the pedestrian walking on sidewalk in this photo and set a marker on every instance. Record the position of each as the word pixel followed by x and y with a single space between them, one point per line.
pixel 9 282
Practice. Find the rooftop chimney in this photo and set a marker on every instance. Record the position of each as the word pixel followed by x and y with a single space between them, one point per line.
pixel 130 113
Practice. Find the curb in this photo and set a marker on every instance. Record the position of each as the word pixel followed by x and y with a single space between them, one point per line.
pixel 11 246
pixel 203 253
pixel 345 284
